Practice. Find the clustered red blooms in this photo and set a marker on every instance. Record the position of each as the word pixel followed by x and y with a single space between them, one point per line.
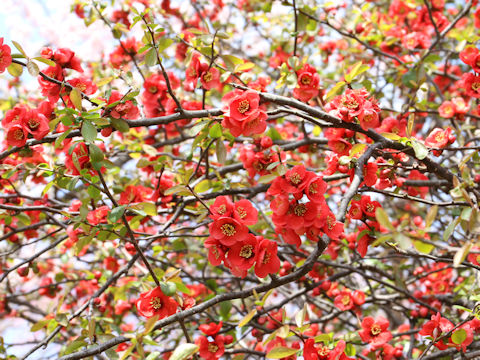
pixel 471 82
pixel 299 207
pixel 214 349
pixel 209 76
pixel 123 109
pixel 123 53
pixel 308 82
pixel 156 303
pixel 22 121
pixel 5 56
pixel 231 242
pixel 243 114
pixel 355 104
pixel 311 351
pixel 440 138
pixel 438 326
pixel 257 158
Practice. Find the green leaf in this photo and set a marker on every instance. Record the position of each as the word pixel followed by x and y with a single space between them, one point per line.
pixel 76 98
pixel 357 69
pixel 244 67
pixel 423 247
pixel 15 69
pixel 39 325
pixel 421 151
pixel 19 48
pixel 59 140
pixel 120 124
pixel 116 213
pixel 32 68
pixel 334 91
pixel 221 151
pixel 461 254
pixel 89 131
pixel 383 219
pixel 280 352
pixel 45 61
pixel 96 156
pixel 459 336
pixel 149 324
pixel 215 131
pixel 151 57
pixel 265 179
pixel 246 319
pixel 184 351
pixel 431 215
pixel 449 230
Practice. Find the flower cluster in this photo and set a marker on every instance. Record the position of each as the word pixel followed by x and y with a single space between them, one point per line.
pixel 22 121
pixel 308 82
pixel 355 104
pixel 257 158
pixel 311 351
pixel 5 56
pixel 440 138
pixel 243 114
pixel 209 76
pixel 231 242
pixel 299 207
pixel 212 350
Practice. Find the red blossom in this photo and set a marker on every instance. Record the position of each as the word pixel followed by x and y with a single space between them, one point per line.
pixel 155 302
pixel 376 331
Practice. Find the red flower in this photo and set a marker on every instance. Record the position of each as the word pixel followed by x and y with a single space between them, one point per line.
pixel 155 302
pixel 344 301
pixel 471 56
pixel 447 109
pixel 210 77
pixel 369 206
pixel 439 138
pixel 243 254
pixel 99 215
pixel 243 114
pixel 210 329
pixel 435 328
pixel 375 332
pixel 66 58
pixel 332 228
pixel 471 84
pixel 125 109
pixel 315 189
pixel 245 212
pixel 267 259
pixel 5 57
pixel 308 81
pixel 417 190
pixel 210 350
pixel 16 135
pixel 222 207
pixel 228 230
pixel 322 352
pixel 36 124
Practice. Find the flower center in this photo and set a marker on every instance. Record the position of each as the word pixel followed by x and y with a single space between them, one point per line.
pixel 222 209
pixel 295 179
pixel 476 86
pixel 375 329
pixel 440 137
pixel 18 134
pixel 300 209
pixel 212 348
pixel 153 89
pixel 228 229
pixel 243 106
pixel 330 222
pixel 370 207
pixel 215 252
pixel 207 76
pixel 33 124
pixel 241 212
pixel 246 251
pixel 156 303
pixel 323 351
pixel 266 258
pixel 305 80
pixel 313 188
pixel 346 300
